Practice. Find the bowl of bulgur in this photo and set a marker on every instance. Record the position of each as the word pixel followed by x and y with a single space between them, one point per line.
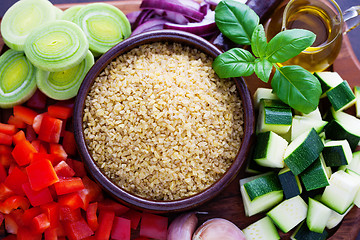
pixel 157 128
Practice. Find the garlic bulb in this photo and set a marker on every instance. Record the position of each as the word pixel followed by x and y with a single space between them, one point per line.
pixel 218 228
pixel 182 227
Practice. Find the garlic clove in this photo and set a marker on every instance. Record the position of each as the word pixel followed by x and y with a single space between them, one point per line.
pixel 182 227
pixel 218 228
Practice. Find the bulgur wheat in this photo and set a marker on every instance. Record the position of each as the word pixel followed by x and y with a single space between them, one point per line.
pixel 160 123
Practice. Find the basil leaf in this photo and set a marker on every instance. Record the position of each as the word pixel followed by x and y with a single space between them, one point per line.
pixel 236 62
pixel 289 43
pixel 297 87
pixel 236 21
pixel 263 69
pixel 258 41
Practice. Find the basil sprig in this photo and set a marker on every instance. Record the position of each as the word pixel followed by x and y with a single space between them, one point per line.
pixel 293 84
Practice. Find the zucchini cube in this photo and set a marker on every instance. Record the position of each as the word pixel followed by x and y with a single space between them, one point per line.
pixel 341 97
pixel 264 228
pixel 302 232
pixel 289 183
pixel 328 80
pixel 357 103
pixel 337 153
pixel 317 216
pixel 316 175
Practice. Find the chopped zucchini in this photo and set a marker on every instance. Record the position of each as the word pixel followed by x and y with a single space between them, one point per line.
pixel 275 116
pixel 289 183
pixel 340 193
pixel 335 218
pixel 289 213
pixel 269 150
pixel 357 177
pixel 317 216
pixel 303 151
pixel 263 202
pixel 262 186
pixel 316 114
pixel 337 153
pixel 357 103
pixel 263 229
pixel 316 175
pixel 300 124
pixel 355 163
pixel 341 97
pixel 263 93
pixel 328 80
pixel 302 232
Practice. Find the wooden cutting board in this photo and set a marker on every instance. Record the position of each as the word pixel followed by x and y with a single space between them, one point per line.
pixel 229 203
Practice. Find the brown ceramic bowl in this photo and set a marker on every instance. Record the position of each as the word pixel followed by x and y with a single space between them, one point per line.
pixel 124 196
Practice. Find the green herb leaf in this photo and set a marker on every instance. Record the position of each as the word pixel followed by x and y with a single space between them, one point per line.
pixel 236 21
pixel 258 41
pixel 234 63
pixel 287 44
pixel 297 87
pixel 263 69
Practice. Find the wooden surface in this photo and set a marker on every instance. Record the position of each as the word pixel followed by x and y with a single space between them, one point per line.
pixel 229 204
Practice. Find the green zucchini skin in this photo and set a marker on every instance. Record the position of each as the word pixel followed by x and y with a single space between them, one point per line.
pixel 334 130
pixel 305 154
pixel 314 177
pixel 337 155
pixel 262 185
pixel 303 233
pixel 341 96
pixel 22 85
pixel 289 183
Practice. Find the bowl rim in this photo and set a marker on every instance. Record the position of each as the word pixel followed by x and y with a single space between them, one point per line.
pixel 117 192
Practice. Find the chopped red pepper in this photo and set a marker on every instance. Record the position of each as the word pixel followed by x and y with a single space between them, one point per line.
pixel 40 223
pixel 71 200
pixel 43 156
pixel 106 220
pixel 90 193
pixel 50 129
pixel 30 213
pixel 14 202
pixel 58 151
pixel 5 192
pixel 69 143
pixel 121 229
pixel 41 174
pixel 52 211
pixel 11 225
pixel 68 214
pixel 37 198
pixel 50 234
pixel 5 139
pixel 30 133
pixel 37 122
pixel 5 155
pixel 39 146
pixel 68 185
pixel 62 169
pixel 112 206
pixel 134 216
pixel 27 233
pixel 15 180
pixel 8 129
pixel 61 112
pixel 79 168
pixel 18 137
pixel 22 152
pixel 153 226
pixel 91 216
pixel 17 122
pixel 77 230
pixel 25 114
pixel 3 173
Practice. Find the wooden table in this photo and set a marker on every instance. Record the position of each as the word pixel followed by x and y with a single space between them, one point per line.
pixel 228 204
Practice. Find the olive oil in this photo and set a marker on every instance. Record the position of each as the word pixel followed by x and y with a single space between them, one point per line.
pixel 315 16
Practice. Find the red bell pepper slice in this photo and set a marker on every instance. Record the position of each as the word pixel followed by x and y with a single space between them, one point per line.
pixel 5 192
pixel 17 122
pixel 52 211
pixel 37 100
pixel 5 155
pixel 7 129
pixel 41 174
pixel 134 216
pixel 15 180
pixel 18 137
pixel 35 157
pixel 68 185
pixel 25 114
pixel 68 214
pixel 69 143
pixel 62 169
pixel 14 202
pixel 77 230
pixel 40 223
pixel 37 122
pixel 37 198
pixel 40 146
pixel 91 216
pixel 5 139
pixel 3 173
pixel 27 233
pixel 90 193
pixel 22 152
pixel 11 225
pixel 112 206
pixel 58 151
pixel 79 168
pixel 50 129
pixel 71 200
pixel 106 220
pixel 153 226
pixel 29 214
pixel 121 229
pixel 62 112
pixel 50 234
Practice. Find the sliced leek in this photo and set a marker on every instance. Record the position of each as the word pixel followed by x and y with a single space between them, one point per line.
pixel 56 46
pixel 22 18
pixel 71 12
pixel 17 79
pixel 64 84
pixel 104 25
